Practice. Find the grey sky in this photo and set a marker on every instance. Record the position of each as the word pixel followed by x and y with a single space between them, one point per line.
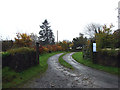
pixel 69 17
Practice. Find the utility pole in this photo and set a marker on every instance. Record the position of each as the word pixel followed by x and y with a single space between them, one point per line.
pixel 57 36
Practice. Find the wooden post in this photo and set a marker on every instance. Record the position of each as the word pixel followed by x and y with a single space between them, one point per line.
pixel 37 51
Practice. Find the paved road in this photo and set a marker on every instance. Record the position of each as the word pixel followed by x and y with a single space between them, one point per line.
pixel 100 78
pixel 58 76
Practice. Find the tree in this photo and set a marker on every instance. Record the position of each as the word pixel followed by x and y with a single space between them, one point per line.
pixel 22 40
pixel 104 38
pixel 116 35
pixel 79 41
pixel 46 35
pixel 34 38
pixel 65 44
pixel 92 29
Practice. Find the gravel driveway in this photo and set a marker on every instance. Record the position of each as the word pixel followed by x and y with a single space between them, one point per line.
pixel 58 76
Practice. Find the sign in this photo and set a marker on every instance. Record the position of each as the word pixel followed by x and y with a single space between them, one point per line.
pixel 94 47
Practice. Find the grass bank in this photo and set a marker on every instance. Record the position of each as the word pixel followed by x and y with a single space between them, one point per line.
pixel 79 58
pixel 12 79
pixel 64 63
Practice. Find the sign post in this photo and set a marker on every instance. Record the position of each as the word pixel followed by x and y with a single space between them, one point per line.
pixel 37 51
pixel 94 52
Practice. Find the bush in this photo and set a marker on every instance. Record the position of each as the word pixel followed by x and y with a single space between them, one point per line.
pixel 20 58
pixel 41 49
pixel 49 48
pixel 59 48
pixel 46 50
pixel 22 40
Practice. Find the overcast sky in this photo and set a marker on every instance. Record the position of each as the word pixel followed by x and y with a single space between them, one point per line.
pixel 69 17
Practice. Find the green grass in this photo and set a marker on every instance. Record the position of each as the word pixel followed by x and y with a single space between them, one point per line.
pixel 79 58
pixel 12 79
pixel 64 63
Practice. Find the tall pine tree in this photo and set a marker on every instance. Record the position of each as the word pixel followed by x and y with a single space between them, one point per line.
pixel 46 35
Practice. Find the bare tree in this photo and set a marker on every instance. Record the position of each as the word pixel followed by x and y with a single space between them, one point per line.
pixel 34 38
pixel 92 29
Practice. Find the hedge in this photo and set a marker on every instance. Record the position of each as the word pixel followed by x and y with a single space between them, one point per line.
pixel 19 59
pixel 108 57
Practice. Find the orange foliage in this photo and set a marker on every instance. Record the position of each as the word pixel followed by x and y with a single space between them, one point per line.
pixel 59 48
pixel 41 49
pixel 23 40
pixel 46 50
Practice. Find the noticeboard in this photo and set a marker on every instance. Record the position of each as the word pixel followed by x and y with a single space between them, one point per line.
pixel 94 47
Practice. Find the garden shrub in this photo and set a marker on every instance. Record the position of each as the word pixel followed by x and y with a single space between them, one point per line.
pixel 41 49
pixel 21 58
pixel 49 48
pixel 46 50
pixel 22 40
pixel 59 48
pixel 86 53
pixel 54 48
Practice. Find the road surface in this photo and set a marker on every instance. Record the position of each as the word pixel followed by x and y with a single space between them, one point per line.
pixel 58 76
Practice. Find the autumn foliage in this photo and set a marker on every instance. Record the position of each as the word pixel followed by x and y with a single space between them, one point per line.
pixel 49 48
pixel 22 40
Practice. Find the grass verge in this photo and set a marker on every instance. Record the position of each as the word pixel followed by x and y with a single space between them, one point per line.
pixel 79 58
pixel 64 63
pixel 12 79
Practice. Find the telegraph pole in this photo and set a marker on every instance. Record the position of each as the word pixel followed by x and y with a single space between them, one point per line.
pixel 57 36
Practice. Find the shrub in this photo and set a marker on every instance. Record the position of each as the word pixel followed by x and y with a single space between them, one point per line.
pixel 54 48
pixel 41 49
pixel 49 47
pixel 22 40
pixel 59 48
pixel 46 50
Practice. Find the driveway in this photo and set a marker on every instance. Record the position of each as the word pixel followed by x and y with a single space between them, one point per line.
pixel 58 76
pixel 99 78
